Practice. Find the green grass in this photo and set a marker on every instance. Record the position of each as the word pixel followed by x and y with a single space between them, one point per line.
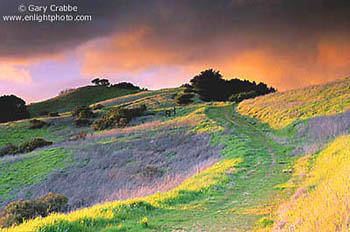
pixel 29 169
pixel 220 201
pixel 282 109
pixel 82 96
pixel 18 132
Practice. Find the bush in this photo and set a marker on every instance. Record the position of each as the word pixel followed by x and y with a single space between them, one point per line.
pixel 242 96
pixel 18 211
pixel 97 107
pixel 151 172
pixel 43 113
pixel 126 85
pixel 119 117
pixel 36 124
pixel 8 149
pixel 82 112
pixel 80 122
pixel 12 108
pixel 53 114
pixel 33 144
pixel 11 149
pixel 184 99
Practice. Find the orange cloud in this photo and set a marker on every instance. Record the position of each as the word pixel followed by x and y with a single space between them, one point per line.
pixel 285 68
pixel 11 73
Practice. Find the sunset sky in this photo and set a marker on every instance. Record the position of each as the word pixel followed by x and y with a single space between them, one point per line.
pixel 159 43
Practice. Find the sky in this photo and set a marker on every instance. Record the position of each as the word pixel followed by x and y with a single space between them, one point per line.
pixel 162 43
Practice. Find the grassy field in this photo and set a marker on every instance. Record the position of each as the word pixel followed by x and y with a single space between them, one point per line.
pixel 236 192
pixel 216 166
pixel 82 96
pixel 322 200
pixel 283 108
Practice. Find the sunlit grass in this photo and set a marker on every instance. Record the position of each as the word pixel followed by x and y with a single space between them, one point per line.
pixel 322 202
pixel 281 109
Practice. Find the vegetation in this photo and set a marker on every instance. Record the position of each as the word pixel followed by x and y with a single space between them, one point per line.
pixel 27 170
pixel 207 168
pixel 126 85
pixel 11 149
pixel 184 99
pixel 18 211
pixel 118 117
pixel 12 108
pixel 284 108
pixel 53 114
pixel 100 82
pixel 82 96
pixel 242 96
pixel 210 85
pixel 33 144
pixel 322 200
pixel 36 124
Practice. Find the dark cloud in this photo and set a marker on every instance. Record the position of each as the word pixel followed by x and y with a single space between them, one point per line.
pixel 288 43
pixel 180 23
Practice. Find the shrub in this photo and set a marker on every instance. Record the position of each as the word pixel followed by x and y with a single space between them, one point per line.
pixel 151 172
pixel 80 122
pixel 33 144
pixel 80 135
pixel 36 124
pixel 242 96
pixel 97 107
pixel 43 113
pixel 126 85
pixel 18 211
pixel 119 117
pixel 82 112
pixel 12 108
pixel 184 99
pixel 66 91
pixel 53 114
pixel 8 149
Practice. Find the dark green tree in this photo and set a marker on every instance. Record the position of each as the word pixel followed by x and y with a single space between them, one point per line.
pixel 12 108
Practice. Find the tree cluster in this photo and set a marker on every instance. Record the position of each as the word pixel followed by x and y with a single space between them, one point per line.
pixel 100 82
pixel 211 86
pixel 12 108
pixel 126 85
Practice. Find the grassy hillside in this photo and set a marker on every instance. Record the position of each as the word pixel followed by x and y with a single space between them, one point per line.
pixel 283 108
pixel 235 192
pixel 322 200
pixel 207 168
pixel 82 96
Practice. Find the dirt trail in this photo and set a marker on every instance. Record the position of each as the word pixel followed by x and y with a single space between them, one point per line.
pixel 258 133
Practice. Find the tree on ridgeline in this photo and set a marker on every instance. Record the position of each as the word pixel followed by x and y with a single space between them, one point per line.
pixel 210 86
pixel 100 82
pixel 12 108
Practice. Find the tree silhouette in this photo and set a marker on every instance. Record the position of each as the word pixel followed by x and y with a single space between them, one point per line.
pixel 96 81
pixel 100 82
pixel 12 108
pixel 210 86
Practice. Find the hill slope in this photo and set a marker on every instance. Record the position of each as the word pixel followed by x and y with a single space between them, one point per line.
pixel 282 108
pixel 82 96
pixel 207 168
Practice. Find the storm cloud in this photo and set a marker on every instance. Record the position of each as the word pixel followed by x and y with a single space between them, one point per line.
pixel 286 43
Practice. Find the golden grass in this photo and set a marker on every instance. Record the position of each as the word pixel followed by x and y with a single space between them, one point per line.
pixel 200 182
pixel 323 202
pixel 282 108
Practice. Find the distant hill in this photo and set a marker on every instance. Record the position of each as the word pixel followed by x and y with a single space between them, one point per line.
pixel 82 96
pixel 282 108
